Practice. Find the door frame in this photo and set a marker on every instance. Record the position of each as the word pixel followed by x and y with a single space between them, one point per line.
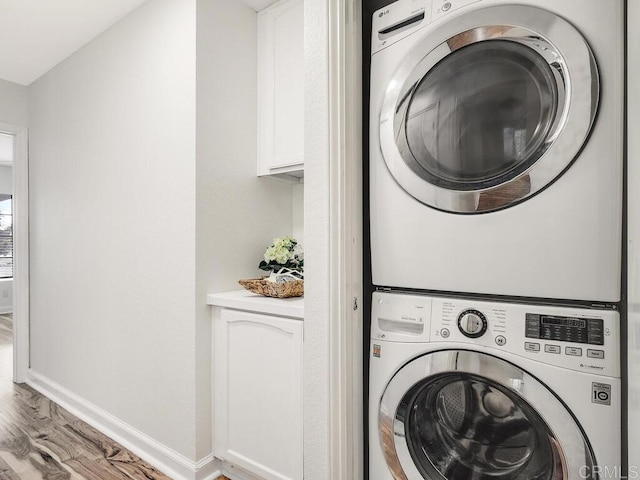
pixel 345 144
pixel 333 326
pixel 20 250
pixel 631 266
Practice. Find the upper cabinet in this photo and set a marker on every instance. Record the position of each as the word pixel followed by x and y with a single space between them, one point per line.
pixel 281 89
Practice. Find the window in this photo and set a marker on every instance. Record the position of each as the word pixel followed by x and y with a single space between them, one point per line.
pixel 6 236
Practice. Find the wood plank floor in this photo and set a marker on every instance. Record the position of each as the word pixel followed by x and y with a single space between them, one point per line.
pixel 40 440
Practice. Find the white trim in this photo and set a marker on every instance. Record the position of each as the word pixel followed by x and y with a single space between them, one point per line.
pixel 165 459
pixel 20 251
pixel 5 310
pixel 633 236
pixel 345 136
pixel 333 439
pixel 353 242
pixel 208 468
pixel 237 473
pixel 319 313
pixel 215 475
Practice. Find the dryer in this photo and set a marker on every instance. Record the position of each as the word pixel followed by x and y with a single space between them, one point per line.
pixel 496 154
pixel 464 389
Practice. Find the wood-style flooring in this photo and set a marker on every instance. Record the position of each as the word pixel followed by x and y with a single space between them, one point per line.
pixel 40 440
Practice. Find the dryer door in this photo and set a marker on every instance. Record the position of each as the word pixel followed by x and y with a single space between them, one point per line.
pixel 485 118
pixel 463 415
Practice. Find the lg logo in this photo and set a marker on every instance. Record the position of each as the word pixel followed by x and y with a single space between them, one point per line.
pixel 383 13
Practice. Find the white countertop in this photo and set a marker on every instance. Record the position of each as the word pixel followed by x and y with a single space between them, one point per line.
pixel 245 300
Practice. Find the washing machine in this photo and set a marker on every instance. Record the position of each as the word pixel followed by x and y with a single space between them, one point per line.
pixel 466 389
pixel 496 157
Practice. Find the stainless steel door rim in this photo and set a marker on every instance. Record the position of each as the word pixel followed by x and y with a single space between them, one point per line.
pixel 479 417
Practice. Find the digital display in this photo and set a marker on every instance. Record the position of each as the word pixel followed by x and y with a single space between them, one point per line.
pixel 564 321
pixel 565 329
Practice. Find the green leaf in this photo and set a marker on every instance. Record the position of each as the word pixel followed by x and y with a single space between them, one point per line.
pixel 265 266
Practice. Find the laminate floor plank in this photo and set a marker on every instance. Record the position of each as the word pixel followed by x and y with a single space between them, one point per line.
pixel 9 475
pixel 41 440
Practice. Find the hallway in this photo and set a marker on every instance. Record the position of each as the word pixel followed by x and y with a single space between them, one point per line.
pixel 40 440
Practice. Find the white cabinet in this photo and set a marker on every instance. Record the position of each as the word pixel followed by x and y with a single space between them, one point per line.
pixel 281 89
pixel 258 390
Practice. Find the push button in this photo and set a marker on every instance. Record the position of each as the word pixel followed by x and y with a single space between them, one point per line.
pixel 446 7
pixel 576 352
pixel 552 349
pixel 595 354
pixel 500 340
pixel 444 333
pixel 531 346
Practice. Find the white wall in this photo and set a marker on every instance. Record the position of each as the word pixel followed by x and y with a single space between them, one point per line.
pixel 238 214
pixel 112 218
pixel 297 200
pixel 633 218
pixel 317 194
pixel 13 103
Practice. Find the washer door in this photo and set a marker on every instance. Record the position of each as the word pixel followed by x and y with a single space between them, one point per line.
pixel 463 415
pixel 483 119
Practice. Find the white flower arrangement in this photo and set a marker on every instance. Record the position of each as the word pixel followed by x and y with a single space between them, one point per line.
pixel 284 259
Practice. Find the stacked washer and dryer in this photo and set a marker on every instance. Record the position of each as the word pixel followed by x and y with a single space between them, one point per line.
pixel 496 170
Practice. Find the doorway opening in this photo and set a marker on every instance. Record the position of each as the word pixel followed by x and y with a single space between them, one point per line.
pixel 14 251
pixel 6 254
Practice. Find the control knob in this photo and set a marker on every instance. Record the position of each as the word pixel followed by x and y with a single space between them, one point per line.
pixel 472 323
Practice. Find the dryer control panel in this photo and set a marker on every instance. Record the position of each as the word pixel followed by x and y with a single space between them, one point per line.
pixel 443 7
pixel 394 22
pixel 580 339
pixel 404 17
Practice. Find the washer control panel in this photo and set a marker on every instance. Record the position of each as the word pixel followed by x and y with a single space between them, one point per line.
pixel 580 339
pixel 562 328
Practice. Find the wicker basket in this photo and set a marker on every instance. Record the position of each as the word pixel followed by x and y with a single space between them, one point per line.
pixel 293 288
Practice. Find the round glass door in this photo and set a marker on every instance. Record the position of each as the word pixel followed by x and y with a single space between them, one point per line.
pixel 486 118
pixel 464 427
pixel 481 116
pixel 463 415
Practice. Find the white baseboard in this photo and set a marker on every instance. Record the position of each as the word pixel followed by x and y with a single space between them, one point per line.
pixel 7 309
pixel 165 459
pixel 234 472
pixel 208 468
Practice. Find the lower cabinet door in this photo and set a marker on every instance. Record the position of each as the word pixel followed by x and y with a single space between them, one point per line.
pixel 258 393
